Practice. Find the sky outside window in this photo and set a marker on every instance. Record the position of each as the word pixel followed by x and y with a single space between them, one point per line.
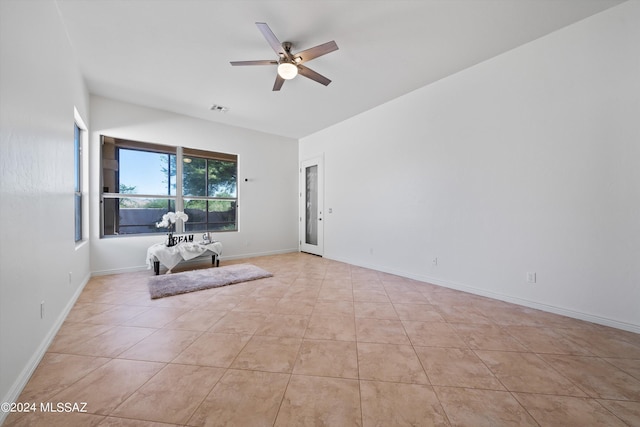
pixel 146 171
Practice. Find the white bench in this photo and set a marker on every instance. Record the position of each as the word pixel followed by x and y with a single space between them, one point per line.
pixel 170 256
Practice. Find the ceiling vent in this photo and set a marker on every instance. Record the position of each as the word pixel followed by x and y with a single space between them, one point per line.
pixel 219 108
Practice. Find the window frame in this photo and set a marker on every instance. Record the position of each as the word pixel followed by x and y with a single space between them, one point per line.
pixel 178 198
pixel 81 179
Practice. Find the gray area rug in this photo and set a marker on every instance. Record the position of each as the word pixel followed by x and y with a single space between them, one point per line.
pixel 197 280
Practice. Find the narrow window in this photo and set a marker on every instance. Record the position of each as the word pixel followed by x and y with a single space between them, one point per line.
pixel 78 182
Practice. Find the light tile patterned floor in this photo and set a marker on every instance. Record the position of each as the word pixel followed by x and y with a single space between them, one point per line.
pixel 324 343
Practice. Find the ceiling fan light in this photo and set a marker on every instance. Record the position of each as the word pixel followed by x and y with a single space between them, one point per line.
pixel 287 70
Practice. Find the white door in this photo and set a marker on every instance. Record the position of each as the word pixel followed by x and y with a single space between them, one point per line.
pixel 311 206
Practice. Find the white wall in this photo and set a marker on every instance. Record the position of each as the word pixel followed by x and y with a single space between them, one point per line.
pixel 267 205
pixel 527 162
pixel 39 87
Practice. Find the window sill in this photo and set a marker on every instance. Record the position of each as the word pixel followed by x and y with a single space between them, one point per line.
pixel 81 243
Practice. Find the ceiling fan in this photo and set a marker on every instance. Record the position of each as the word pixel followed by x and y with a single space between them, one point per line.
pixel 290 64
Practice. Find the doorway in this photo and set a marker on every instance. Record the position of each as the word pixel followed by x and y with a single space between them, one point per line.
pixel 312 206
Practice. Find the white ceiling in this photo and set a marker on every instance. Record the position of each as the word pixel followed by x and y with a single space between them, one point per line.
pixel 174 54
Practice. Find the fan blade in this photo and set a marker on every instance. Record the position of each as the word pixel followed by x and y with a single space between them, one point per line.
pixel 314 52
pixel 258 62
pixel 271 38
pixel 279 82
pixel 310 74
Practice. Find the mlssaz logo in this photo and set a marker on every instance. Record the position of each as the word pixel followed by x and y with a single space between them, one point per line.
pixel 63 407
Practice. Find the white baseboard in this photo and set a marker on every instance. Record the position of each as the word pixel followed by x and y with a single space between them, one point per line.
pixel 503 297
pixel 14 392
pixel 259 254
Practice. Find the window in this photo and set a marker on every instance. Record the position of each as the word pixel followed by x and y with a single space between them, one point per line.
pixel 77 144
pixel 141 182
pixel 209 189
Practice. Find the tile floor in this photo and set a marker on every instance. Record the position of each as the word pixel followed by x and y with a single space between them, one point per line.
pixel 324 343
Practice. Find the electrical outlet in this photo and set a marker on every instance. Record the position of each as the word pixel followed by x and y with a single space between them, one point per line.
pixel 531 277
pixel 435 262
